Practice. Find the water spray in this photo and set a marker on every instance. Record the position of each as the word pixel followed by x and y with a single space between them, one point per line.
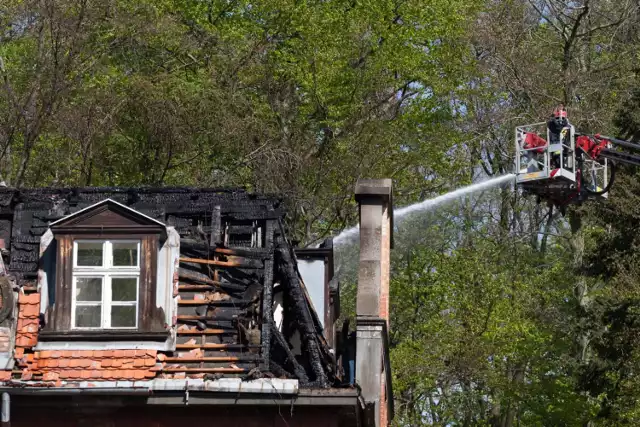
pixel 430 204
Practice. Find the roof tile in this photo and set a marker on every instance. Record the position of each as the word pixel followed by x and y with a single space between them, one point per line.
pixel 106 363
pixel 50 376
pixel 33 298
pixel 30 310
pixel 138 363
pixel 129 353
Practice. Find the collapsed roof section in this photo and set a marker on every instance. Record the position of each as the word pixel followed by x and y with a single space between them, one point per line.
pixel 233 258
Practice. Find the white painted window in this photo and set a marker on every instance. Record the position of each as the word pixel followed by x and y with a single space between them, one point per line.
pixel 106 282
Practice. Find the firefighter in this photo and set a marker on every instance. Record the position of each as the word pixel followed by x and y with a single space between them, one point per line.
pixel 558 126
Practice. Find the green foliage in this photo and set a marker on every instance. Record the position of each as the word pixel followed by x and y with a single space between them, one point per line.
pixel 503 313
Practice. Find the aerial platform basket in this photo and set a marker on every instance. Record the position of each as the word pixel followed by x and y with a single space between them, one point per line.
pixel 550 168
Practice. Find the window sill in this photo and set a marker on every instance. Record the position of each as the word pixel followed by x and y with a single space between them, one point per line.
pixel 103 335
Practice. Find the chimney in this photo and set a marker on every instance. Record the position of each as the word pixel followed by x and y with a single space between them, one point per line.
pixel 372 302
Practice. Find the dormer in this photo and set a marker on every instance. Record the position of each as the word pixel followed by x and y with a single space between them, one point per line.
pixel 105 282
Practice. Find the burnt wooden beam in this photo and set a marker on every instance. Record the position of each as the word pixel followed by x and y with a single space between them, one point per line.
pixel 279 340
pixel 216 226
pixel 209 346
pixel 207 370
pixel 203 278
pixel 206 331
pixel 184 317
pixel 196 246
pixel 280 372
pixel 223 264
pixel 305 323
pixel 231 302
pixel 267 297
pixel 216 359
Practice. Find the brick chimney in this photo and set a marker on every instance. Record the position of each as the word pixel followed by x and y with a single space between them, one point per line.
pixel 372 302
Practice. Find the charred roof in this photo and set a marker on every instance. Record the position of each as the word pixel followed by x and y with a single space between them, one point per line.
pixel 233 251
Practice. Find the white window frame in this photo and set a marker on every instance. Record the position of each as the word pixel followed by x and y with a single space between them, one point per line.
pixel 106 272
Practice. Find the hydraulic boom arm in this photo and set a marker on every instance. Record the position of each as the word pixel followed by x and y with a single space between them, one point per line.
pixel 599 146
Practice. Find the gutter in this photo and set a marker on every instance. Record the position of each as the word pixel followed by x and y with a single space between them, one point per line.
pixel 264 391
pixel 175 396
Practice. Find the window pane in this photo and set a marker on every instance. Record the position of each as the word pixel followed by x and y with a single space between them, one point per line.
pixel 89 254
pixel 88 317
pixel 123 288
pixel 88 289
pixel 125 254
pixel 123 316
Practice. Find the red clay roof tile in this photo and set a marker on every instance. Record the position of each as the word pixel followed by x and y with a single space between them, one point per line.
pixel 30 310
pixel 33 298
pixel 50 376
pixel 106 363
pixel 129 353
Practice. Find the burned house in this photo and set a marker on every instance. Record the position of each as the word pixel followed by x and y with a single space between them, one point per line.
pixel 145 306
